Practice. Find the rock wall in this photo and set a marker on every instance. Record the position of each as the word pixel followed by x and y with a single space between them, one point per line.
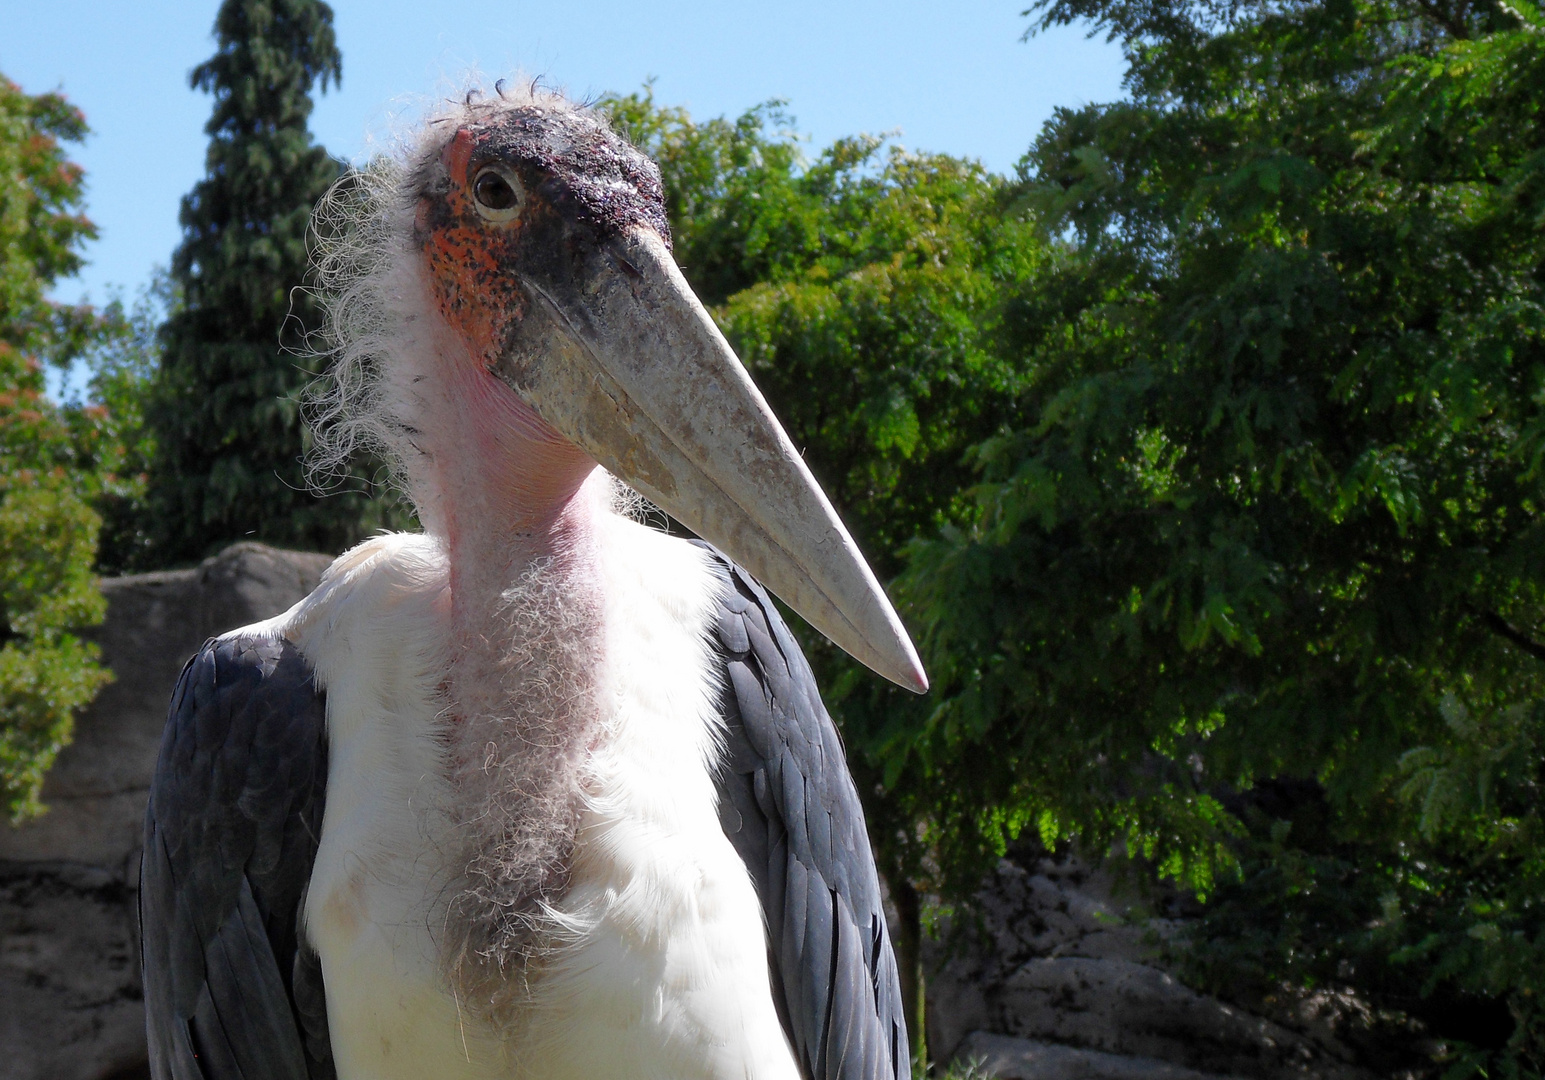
pixel 70 1002
pixel 1050 976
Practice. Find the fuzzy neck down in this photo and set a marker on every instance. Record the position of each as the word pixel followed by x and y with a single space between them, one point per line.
pixel 516 509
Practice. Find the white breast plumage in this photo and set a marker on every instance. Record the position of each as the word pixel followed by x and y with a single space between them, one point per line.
pixel 663 967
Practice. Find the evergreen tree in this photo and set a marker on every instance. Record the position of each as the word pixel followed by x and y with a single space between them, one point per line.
pixel 229 437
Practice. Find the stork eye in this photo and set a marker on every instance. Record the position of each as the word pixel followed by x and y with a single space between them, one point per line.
pixel 497 194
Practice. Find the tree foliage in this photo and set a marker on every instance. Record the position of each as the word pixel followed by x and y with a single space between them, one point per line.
pixel 228 436
pixel 48 529
pixel 111 428
pixel 1209 451
pixel 1274 509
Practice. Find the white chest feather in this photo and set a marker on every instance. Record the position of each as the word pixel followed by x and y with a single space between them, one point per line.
pixel 661 970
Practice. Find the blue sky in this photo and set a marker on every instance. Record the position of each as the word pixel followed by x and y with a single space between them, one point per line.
pixel 951 77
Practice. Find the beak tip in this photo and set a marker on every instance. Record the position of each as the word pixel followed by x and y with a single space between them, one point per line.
pixel 909 672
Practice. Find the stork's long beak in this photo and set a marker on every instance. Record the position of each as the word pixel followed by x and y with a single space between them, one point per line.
pixel 632 369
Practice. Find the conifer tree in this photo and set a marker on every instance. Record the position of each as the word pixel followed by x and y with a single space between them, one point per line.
pixel 229 435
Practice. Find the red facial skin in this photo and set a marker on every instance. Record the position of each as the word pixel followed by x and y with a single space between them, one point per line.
pixel 467 258
pixel 509 487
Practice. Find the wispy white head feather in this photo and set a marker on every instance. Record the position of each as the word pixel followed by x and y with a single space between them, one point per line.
pixel 374 336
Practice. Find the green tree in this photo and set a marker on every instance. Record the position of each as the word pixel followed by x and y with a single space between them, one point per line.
pixel 1274 511
pixel 228 436
pixel 48 530
pixel 108 426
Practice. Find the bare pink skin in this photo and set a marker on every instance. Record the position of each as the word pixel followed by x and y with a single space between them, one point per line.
pixel 514 503
pixel 510 490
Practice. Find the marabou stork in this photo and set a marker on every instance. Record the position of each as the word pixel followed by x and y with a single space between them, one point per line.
pixel 541 792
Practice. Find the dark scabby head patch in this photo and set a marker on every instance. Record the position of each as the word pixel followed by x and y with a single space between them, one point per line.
pixel 589 173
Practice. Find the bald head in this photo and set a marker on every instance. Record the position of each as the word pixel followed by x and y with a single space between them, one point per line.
pixel 560 158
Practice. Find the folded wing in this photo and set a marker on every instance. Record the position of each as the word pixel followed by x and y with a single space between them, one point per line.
pixel 788 805
pixel 231 990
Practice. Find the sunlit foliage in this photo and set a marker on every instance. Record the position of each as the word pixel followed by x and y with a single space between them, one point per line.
pixel 48 530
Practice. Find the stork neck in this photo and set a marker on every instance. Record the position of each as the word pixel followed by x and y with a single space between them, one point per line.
pixel 518 508
pixel 491 546
pixel 503 490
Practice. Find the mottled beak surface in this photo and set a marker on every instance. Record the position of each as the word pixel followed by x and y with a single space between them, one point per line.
pixel 626 362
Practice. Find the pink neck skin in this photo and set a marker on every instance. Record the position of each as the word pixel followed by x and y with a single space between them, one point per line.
pixel 504 489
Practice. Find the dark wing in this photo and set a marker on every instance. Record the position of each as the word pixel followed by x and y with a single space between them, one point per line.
pixel 231 833
pixel 789 806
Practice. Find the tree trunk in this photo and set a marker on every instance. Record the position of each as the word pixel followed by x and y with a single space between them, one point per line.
pixel 908 940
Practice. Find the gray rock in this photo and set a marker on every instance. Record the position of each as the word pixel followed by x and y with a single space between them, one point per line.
pixel 1048 954
pixel 1124 1007
pixel 69 958
pixel 1058 908
pixel 69 973
pixel 1004 1057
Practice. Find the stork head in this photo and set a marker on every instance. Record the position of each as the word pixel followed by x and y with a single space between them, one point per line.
pixel 543 240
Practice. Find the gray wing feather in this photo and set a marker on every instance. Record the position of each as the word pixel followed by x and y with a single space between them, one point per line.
pixel 788 805
pixel 231 989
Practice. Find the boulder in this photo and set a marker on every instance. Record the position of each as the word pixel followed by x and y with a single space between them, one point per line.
pixel 1007 1058
pixel 69 957
pixel 1050 958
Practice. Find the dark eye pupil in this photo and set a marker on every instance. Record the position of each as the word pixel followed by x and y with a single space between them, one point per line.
pixel 493 191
